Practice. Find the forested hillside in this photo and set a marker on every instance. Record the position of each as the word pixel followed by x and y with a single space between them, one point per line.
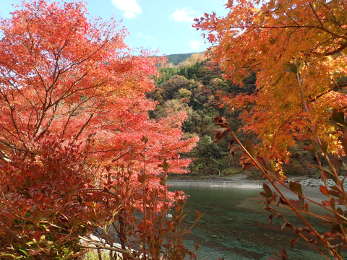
pixel 194 87
pixel 197 86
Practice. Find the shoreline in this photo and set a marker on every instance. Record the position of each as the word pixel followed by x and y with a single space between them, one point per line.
pixel 243 182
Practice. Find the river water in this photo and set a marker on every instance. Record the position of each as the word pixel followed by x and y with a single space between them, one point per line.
pixel 234 225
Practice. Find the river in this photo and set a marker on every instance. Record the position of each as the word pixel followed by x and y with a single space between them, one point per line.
pixel 234 225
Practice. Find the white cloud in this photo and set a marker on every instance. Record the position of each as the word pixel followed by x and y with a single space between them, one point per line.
pixel 196 45
pixel 183 15
pixel 130 8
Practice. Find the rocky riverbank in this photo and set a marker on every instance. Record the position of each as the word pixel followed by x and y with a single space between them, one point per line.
pixel 316 182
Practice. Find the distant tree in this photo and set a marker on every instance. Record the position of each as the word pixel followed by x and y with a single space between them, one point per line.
pixel 184 93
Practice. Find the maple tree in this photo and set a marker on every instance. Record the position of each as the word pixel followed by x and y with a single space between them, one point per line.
pixel 298 50
pixel 77 147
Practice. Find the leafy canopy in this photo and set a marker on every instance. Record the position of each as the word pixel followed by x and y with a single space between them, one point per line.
pixel 77 147
pixel 298 50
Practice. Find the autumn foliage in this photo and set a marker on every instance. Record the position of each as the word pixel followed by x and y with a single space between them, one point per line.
pixel 298 50
pixel 77 147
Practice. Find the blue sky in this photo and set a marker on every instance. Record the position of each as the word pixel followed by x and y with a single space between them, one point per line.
pixel 164 26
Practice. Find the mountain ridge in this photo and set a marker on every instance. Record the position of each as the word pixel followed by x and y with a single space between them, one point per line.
pixel 178 58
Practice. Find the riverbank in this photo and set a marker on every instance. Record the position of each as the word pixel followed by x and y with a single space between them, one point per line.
pixel 310 186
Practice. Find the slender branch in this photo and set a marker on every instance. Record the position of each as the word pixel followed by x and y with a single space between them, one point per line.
pixel 84 126
pixel 316 15
pixel 271 179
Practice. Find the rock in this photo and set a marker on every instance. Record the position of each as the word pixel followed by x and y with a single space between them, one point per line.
pixel 310 182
